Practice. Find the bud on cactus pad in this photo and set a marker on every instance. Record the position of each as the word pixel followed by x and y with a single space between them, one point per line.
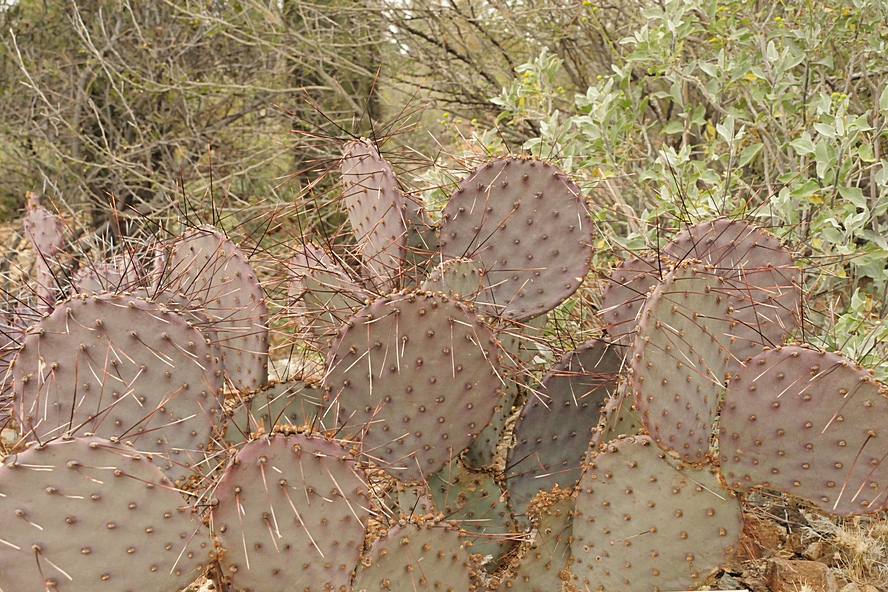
pixel 291 515
pixel 808 423
pixel 415 377
pixel 527 225
pixel 428 558
pixel 645 523
pixel 119 367
pixel 376 211
pixel 679 360
pixel 85 514
pixel 557 422
pixel 625 294
pixel 214 274
pixel 761 279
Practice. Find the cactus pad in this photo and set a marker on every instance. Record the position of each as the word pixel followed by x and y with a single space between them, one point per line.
pixel 322 290
pixel 291 515
pixel 45 232
pixel 415 378
pixel 291 403
pixel 455 278
pixel 117 275
pixel 543 567
pixel 214 274
pixel 555 427
pixel 85 514
pixel 477 503
pixel 120 367
pixel 808 423
pixel 678 363
pixel 625 293
pixel 527 225
pixel 429 558
pixel 376 210
pixel 761 280
pixel 643 523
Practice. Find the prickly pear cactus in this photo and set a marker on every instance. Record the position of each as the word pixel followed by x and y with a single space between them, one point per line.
pixel 679 360
pixel 213 273
pixel 376 211
pixel 808 423
pixel 527 225
pixel 119 367
pixel 292 514
pixel 416 558
pixel 415 378
pixel 116 275
pixel 86 514
pixel 558 421
pixel 645 523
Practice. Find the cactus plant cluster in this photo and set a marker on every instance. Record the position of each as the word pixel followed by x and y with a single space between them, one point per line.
pixel 433 452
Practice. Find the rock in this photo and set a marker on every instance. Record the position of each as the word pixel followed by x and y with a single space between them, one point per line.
pixel 850 587
pixel 789 576
pixel 813 551
pixel 760 538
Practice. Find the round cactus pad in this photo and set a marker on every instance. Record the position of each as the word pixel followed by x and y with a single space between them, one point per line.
pixel 416 559
pixel 291 515
pixel 84 514
pixel 415 378
pixel 376 211
pixel 213 273
pixel 625 293
pixel 643 523
pixel 679 360
pixel 119 367
pixel 808 423
pixel 761 279
pixel 527 224
pixel 557 422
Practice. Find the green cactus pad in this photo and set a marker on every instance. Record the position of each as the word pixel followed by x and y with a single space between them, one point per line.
pixel 478 505
pixel 557 422
pixel 527 224
pixel 429 558
pixel 543 567
pixel 455 278
pixel 414 377
pixel 625 293
pixel 322 291
pixel 808 423
pixel 291 515
pixel 644 523
pixel 376 212
pixel 119 367
pixel 291 403
pixel 679 360
pixel 213 273
pixel 85 514
pixel 761 280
